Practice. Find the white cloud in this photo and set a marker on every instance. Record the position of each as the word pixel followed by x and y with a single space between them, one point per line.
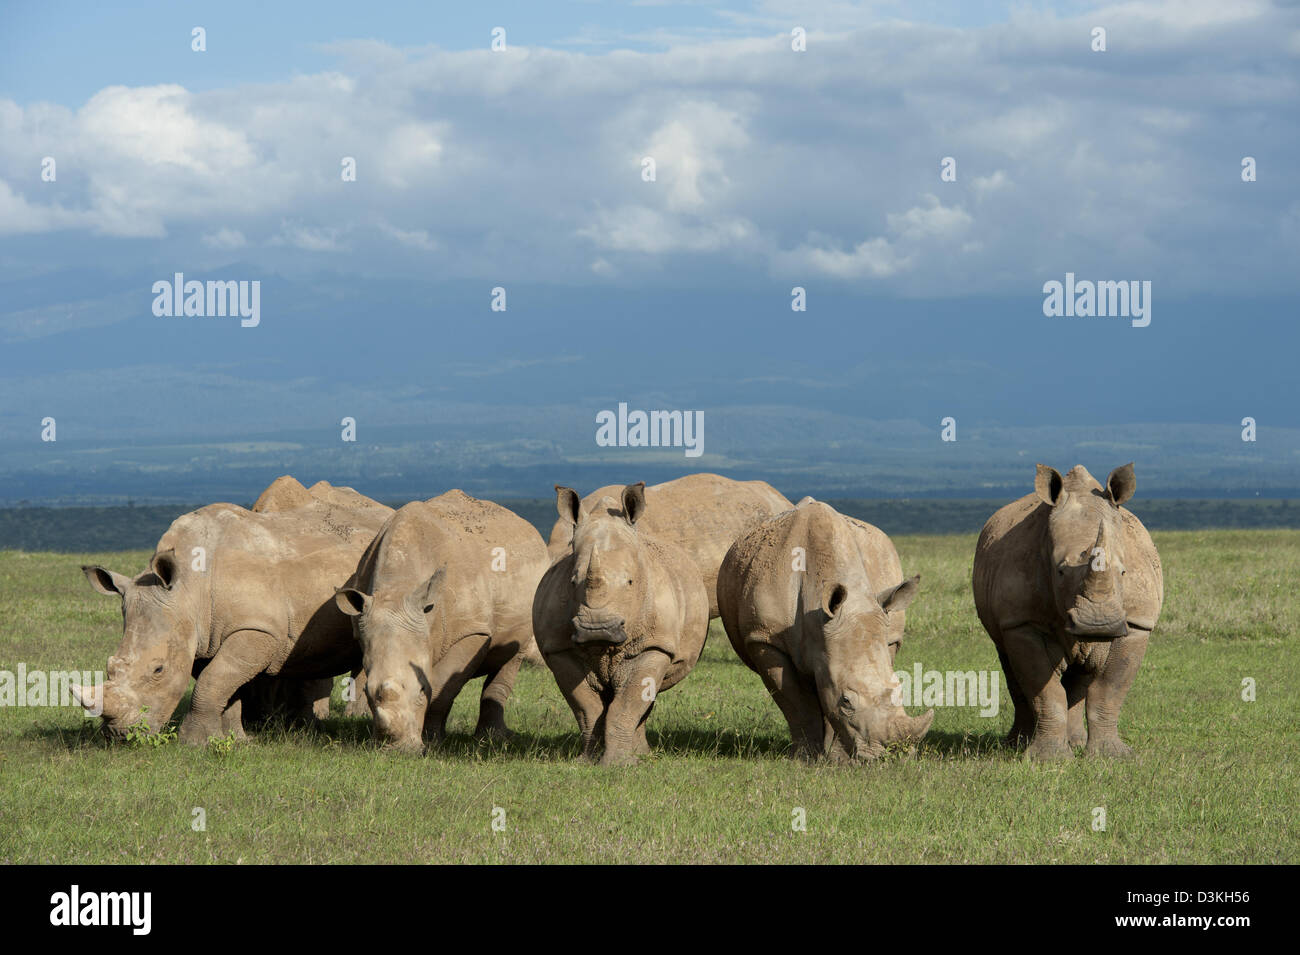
pixel 874 258
pixel 931 220
pixel 308 238
pixel 689 152
pixel 225 239
pixel 987 185
pixel 415 238
pixel 826 161
pixel 635 228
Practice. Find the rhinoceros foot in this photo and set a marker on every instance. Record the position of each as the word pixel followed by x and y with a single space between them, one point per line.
pixel 1109 746
pixel 194 732
pixel 1046 749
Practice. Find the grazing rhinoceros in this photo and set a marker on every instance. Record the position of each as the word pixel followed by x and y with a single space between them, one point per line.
pixel 443 594
pixel 700 513
pixel 620 619
pixel 232 594
pixel 814 602
pixel 1068 584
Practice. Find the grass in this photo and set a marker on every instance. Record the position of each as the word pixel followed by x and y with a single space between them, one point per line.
pixel 1214 779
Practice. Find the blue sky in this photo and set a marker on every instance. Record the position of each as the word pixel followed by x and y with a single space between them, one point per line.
pixel 65 51
pixel 524 169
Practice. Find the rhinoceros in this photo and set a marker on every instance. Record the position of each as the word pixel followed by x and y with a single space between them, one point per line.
pixel 442 595
pixel 619 619
pixel 231 595
pixel 815 603
pixel 1068 584
pixel 700 513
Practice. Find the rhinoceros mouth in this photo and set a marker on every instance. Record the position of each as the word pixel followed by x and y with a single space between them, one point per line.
pixel 1105 630
pixel 586 630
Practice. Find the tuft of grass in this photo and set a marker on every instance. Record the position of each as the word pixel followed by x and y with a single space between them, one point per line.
pixel 1214 778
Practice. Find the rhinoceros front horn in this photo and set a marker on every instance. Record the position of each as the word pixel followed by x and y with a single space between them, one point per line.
pixel 912 727
pixel 102 700
pixel 89 698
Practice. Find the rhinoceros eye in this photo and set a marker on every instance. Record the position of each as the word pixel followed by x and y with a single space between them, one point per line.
pixel 158 669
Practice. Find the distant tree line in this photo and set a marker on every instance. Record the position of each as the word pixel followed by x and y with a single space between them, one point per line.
pixel 138 527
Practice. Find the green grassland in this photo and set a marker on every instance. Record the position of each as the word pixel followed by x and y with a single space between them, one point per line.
pixel 1214 778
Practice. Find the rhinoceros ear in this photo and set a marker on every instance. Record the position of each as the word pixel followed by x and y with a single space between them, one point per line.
pixel 898 598
pixel 351 601
pixel 427 595
pixel 567 503
pixel 833 598
pixel 163 566
pixel 1048 484
pixel 634 501
pixel 1121 484
pixel 105 581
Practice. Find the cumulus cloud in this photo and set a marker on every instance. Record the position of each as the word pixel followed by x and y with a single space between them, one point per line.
pixel 825 161
pixel 930 220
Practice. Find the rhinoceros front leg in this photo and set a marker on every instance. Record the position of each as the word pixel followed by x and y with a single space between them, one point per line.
pixel 797 701
pixel 1108 690
pixel 231 719
pixel 358 705
pixel 625 717
pixel 242 656
pixel 1038 662
pixel 570 672
pixel 456 667
pixel 318 697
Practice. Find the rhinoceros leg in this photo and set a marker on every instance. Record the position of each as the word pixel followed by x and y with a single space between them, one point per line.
pixel 1076 684
pixel 570 671
pixel 318 696
pixel 231 719
pixel 1108 690
pixel 797 701
pixel 358 705
pixel 1022 727
pixel 497 687
pixel 1038 662
pixel 447 678
pixel 242 656
pixel 626 714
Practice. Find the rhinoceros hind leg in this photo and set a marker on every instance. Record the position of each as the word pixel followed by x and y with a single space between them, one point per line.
pixel 1076 692
pixel 497 688
pixel 1022 727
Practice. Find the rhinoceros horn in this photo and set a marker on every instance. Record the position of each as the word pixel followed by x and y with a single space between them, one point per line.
pixel 98 700
pixel 595 580
pixel 1100 583
pixel 904 727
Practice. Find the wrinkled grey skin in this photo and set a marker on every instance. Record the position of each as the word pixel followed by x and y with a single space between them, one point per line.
pixel 1069 586
pixel 823 629
pixel 619 619
pixel 436 604
pixel 259 604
